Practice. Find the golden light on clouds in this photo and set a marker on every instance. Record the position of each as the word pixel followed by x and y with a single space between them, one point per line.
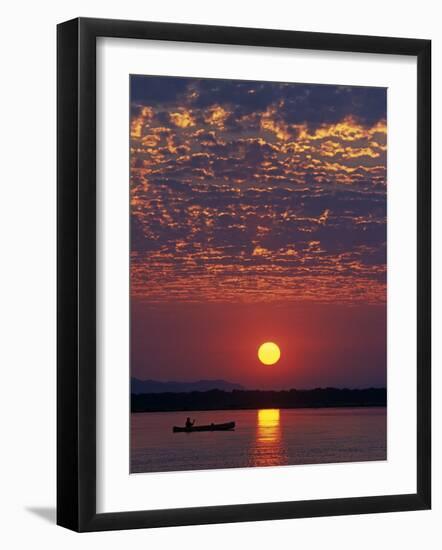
pixel 217 115
pixel 182 119
pixel 252 203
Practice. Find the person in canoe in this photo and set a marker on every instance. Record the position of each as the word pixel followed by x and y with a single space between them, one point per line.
pixel 189 426
pixel 189 423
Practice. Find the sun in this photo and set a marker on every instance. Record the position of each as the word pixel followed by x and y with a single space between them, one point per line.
pixel 269 353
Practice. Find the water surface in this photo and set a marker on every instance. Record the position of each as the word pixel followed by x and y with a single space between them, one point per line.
pixel 265 437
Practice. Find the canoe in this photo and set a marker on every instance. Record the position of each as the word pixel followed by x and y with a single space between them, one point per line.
pixel 207 428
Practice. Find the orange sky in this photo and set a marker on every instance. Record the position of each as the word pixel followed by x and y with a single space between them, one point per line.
pixel 258 212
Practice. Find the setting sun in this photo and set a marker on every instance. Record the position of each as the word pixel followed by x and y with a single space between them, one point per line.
pixel 269 353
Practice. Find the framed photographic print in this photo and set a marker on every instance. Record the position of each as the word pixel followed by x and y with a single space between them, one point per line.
pixel 243 274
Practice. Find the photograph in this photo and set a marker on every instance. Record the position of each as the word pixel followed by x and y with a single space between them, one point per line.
pixel 258 273
pixel 219 312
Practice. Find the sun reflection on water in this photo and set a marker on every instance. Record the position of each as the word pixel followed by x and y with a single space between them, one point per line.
pixel 268 447
pixel 268 425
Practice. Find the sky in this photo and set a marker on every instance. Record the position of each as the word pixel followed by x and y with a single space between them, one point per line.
pixel 258 212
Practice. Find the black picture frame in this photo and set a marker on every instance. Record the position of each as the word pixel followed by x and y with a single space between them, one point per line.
pixel 77 287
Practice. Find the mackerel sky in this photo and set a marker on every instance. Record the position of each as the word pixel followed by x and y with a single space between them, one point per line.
pixel 247 191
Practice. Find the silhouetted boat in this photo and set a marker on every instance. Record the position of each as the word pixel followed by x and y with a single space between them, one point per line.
pixel 206 428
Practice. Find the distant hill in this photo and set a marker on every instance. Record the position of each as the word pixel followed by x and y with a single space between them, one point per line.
pixel 154 386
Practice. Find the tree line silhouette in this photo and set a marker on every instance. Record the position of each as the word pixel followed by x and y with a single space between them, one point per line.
pixel 258 399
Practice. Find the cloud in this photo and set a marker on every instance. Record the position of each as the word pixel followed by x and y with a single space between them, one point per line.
pixel 247 191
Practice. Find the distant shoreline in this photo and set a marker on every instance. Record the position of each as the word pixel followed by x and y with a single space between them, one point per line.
pixel 350 406
pixel 215 400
